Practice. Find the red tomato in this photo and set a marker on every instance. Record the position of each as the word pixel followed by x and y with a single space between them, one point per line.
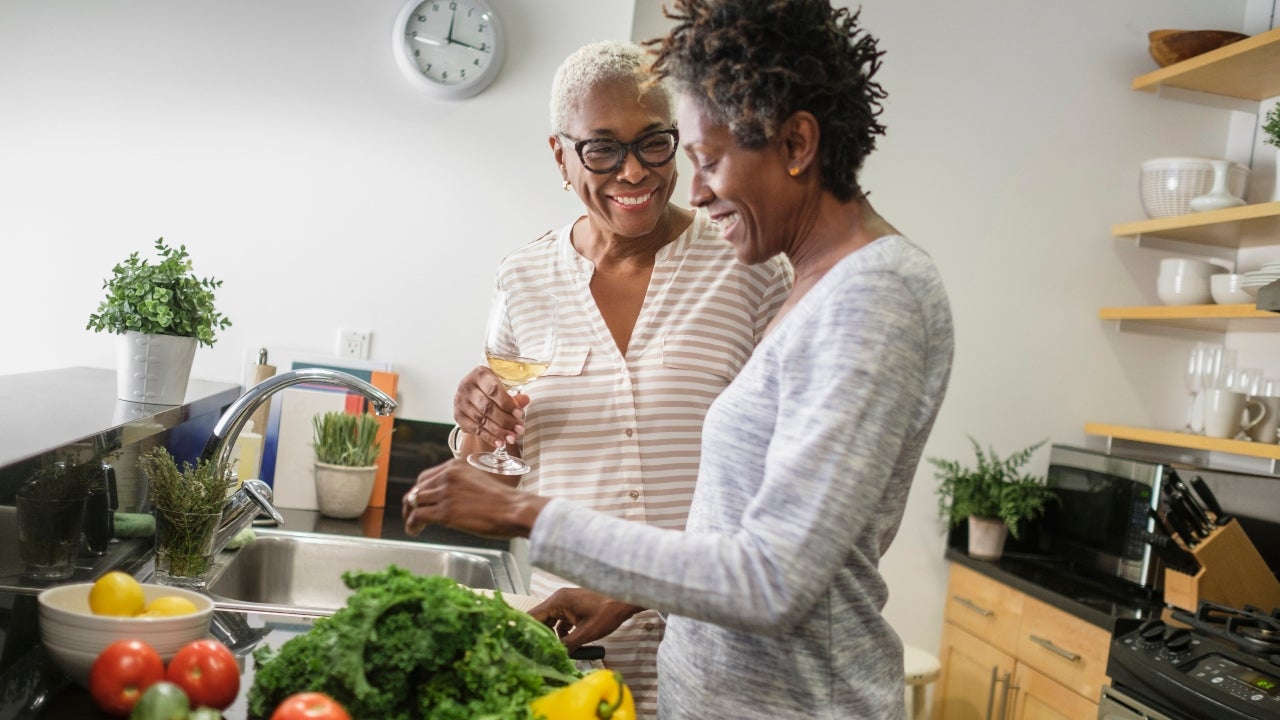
pixel 310 706
pixel 121 673
pixel 207 672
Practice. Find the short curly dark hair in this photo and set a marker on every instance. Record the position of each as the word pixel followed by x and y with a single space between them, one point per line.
pixel 753 63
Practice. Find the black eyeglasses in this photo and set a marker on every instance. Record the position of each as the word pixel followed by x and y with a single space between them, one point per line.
pixel 601 155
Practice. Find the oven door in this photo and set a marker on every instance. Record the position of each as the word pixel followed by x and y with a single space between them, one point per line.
pixel 1118 705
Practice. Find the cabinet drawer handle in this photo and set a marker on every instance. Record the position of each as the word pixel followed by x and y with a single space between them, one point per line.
pixel 972 606
pixel 1048 645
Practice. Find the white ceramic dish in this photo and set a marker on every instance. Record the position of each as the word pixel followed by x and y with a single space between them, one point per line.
pixel 1226 290
pixel 1187 266
pixel 1183 290
pixel 73 633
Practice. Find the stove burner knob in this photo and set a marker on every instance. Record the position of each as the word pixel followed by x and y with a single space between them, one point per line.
pixel 1178 640
pixel 1151 630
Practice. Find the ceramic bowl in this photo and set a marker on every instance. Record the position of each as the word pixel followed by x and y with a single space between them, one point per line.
pixel 1226 290
pixel 1187 266
pixel 74 636
pixel 1183 290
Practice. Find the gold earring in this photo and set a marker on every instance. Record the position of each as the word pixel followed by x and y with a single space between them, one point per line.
pixel 793 171
pixel 566 186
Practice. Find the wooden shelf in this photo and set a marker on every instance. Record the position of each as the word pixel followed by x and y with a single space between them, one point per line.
pixel 1220 228
pixel 1248 69
pixel 1184 440
pixel 1216 318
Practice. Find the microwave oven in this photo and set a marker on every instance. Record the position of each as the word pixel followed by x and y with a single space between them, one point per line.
pixel 1103 517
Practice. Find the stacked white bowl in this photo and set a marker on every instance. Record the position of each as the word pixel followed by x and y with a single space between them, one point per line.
pixel 1226 289
pixel 74 636
pixel 1184 281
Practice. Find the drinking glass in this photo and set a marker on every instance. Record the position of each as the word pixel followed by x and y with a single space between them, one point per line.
pixel 1195 383
pixel 49 535
pixel 184 547
pixel 519 344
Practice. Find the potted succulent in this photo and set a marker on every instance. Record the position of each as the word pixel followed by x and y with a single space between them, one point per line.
pixel 1271 131
pixel 347 450
pixel 995 497
pixel 160 312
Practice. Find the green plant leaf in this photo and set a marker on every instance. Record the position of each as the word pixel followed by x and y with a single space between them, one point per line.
pixel 994 489
pixel 164 298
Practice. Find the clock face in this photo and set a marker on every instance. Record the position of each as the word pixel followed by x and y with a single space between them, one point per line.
pixel 451 47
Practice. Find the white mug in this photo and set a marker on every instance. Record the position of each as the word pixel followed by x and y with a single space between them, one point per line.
pixel 1265 431
pixel 1224 413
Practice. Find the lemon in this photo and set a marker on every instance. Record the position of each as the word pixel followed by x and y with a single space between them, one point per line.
pixel 116 593
pixel 167 606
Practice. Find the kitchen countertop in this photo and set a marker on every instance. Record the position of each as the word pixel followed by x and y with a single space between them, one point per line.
pixel 1098 600
pixel 33 687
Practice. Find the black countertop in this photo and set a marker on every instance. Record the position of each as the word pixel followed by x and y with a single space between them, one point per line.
pixel 32 687
pixel 1081 593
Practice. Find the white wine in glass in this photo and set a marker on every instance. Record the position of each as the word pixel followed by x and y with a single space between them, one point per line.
pixel 520 342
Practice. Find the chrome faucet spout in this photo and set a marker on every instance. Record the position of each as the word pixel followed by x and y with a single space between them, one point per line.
pixel 228 427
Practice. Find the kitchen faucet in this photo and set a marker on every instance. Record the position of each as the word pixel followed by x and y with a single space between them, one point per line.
pixel 254 495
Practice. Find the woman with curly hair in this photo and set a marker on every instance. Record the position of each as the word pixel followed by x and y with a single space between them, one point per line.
pixel 772 591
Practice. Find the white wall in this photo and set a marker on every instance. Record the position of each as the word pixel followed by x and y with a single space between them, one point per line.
pixel 278 141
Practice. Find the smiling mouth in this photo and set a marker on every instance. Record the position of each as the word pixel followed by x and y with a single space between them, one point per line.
pixel 726 220
pixel 631 201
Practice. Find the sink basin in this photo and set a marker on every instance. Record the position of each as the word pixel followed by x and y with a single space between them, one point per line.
pixel 295 573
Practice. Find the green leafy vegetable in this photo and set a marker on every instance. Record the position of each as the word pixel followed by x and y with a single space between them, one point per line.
pixel 416 647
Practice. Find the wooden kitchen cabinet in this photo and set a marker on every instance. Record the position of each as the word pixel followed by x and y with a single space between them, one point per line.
pixel 1247 70
pixel 1007 655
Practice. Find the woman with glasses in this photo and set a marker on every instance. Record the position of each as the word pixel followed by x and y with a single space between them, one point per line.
pixel 773 590
pixel 656 317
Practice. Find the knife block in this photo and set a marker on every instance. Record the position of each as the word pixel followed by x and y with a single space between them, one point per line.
pixel 1232 573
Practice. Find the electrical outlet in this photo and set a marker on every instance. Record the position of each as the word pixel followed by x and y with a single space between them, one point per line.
pixel 353 344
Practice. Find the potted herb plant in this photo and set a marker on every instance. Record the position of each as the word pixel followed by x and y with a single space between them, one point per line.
pixel 160 311
pixel 995 497
pixel 187 504
pixel 50 507
pixel 1271 132
pixel 347 450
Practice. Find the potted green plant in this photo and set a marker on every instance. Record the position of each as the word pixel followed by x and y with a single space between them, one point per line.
pixel 995 496
pixel 187 503
pixel 1271 131
pixel 347 450
pixel 160 311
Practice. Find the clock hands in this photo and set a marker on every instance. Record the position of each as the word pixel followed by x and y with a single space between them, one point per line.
pixel 453 13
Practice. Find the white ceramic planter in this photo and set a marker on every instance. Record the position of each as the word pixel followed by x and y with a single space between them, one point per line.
pixel 153 368
pixel 343 491
pixel 986 538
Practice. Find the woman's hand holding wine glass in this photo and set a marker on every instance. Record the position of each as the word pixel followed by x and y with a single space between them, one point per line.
pixel 519 346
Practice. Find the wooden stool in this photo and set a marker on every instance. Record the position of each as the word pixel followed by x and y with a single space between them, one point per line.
pixel 921 669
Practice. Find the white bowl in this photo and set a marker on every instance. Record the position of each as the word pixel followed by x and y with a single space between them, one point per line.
pixel 1226 290
pixel 1187 266
pixel 1183 290
pixel 71 631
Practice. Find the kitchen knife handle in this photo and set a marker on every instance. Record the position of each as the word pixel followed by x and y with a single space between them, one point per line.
pixel 1208 498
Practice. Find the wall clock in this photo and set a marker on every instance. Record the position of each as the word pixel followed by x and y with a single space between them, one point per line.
pixel 450 48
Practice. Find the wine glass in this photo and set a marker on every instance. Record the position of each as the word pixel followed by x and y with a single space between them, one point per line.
pixel 520 341
pixel 1195 373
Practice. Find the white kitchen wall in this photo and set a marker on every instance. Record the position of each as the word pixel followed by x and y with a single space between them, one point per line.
pixel 278 141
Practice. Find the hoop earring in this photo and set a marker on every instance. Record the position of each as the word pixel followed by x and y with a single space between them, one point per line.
pixel 566 186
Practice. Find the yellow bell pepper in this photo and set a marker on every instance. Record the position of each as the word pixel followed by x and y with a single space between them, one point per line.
pixel 599 695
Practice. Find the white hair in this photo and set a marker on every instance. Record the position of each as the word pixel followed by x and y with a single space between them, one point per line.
pixel 595 64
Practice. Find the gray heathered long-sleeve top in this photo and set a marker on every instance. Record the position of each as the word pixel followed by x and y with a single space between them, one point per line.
pixel 807 458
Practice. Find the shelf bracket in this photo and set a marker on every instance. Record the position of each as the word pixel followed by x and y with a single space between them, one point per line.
pixel 1181 247
pixel 1203 459
pixel 1207 99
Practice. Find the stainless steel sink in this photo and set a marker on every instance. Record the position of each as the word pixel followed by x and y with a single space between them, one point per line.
pixel 295 573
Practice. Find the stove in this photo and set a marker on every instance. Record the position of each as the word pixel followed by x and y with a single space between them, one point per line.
pixel 1223 665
